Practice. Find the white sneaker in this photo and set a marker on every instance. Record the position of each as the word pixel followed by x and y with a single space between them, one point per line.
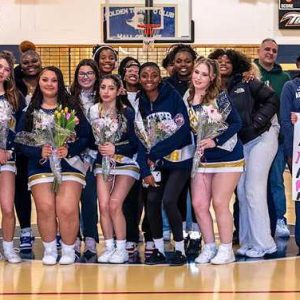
pixel 256 253
pixel 206 255
pixel 67 255
pixel 11 256
pixel 242 250
pixel 120 256
pixel 282 229
pixel 50 256
pixel 106 255
pixel 225 255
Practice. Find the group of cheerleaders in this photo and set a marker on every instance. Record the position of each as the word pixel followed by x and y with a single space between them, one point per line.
pixel 138 91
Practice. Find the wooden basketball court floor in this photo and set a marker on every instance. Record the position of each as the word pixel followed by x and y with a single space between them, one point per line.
pixel 260 279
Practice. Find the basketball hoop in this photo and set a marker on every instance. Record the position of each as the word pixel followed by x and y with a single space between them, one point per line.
pixel 149 31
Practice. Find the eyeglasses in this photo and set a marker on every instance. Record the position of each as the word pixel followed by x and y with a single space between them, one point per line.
pixel 87 74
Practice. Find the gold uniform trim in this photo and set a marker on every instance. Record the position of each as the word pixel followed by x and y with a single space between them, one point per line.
pixel 229 164
pixel 50 175
pixel 126 168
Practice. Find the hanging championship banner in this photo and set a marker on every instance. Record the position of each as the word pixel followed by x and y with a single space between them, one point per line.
pixel 289 14
pixel 296 161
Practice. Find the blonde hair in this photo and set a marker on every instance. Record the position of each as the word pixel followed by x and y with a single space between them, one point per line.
pixel 10 85
pixel 214 88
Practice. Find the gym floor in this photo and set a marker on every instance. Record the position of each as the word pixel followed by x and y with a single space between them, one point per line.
pixel 271 278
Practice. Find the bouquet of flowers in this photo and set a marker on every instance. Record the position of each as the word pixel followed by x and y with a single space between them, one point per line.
pixel 56 130
pixel 154 130
pixel 5 119
pixel 210 124
pixel 108 129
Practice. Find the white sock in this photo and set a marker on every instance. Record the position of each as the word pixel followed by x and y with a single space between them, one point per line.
pixel 110 244
pixel 121 244
pixel 184 226
pixel 179 246
pixel 150 245
pixel 159 245
pixel 50 246
pixel 67 247
pixel 8 246
pixel 227 246
pixel 211 246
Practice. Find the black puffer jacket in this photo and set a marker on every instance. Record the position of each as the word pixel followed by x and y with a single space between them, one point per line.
pixel 256 104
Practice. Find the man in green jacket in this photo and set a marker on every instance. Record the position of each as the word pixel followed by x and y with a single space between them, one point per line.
pixel 275 77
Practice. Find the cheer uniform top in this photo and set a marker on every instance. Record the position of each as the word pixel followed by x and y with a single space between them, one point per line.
pixel 218 159
pixel 124 159
pixel 12 124
pixel 72 166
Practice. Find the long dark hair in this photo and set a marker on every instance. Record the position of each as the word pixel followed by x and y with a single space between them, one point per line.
pixel 63 98
pixel 10 84
pixel 117 81
pixel 240 62
pixel 75 88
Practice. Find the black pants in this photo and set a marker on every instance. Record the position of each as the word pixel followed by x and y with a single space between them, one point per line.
pixel 22 195
pixel 131 212
pixel 171 185
pixel 182 202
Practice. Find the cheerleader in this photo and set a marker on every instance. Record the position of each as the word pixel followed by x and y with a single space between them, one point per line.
pixel 111 193
pixel 220 167
pixel 106 58
pixel 60 206
pixel 85 89
pixel 11 108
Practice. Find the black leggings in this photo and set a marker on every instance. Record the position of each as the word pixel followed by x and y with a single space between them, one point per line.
pixel 171 185
pixel 22 195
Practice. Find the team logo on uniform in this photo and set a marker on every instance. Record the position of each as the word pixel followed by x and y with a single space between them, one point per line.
pixel 239 90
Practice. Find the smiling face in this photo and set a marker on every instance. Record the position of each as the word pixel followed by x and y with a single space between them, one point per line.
pixel 5 70
pixel 225 66
pixel 202 77
pixel 267 54
pixel 183 64
pixel 132 75
pixel 109 91
pixel 107 61
pixel 150 78
pixel 48 84
pixel 86 77
pixel 30 64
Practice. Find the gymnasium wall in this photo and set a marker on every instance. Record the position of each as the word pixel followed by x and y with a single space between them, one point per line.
pixel 79 21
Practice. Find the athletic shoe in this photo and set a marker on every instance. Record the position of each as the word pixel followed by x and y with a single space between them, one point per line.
pixel 178 259
pixel 67 256
pixel 242 250
pixel 149 248
pixel 206 255
pixel 58 242
pixel 50 256
pixel 11 256
pixel 224 256
pixel 193 247
pixel 106 255
pixel 282 229
pixel 155 258
pixel 77 249
pixel 120 256
pixel 90 249
pixel 26 241
pixel 260 252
